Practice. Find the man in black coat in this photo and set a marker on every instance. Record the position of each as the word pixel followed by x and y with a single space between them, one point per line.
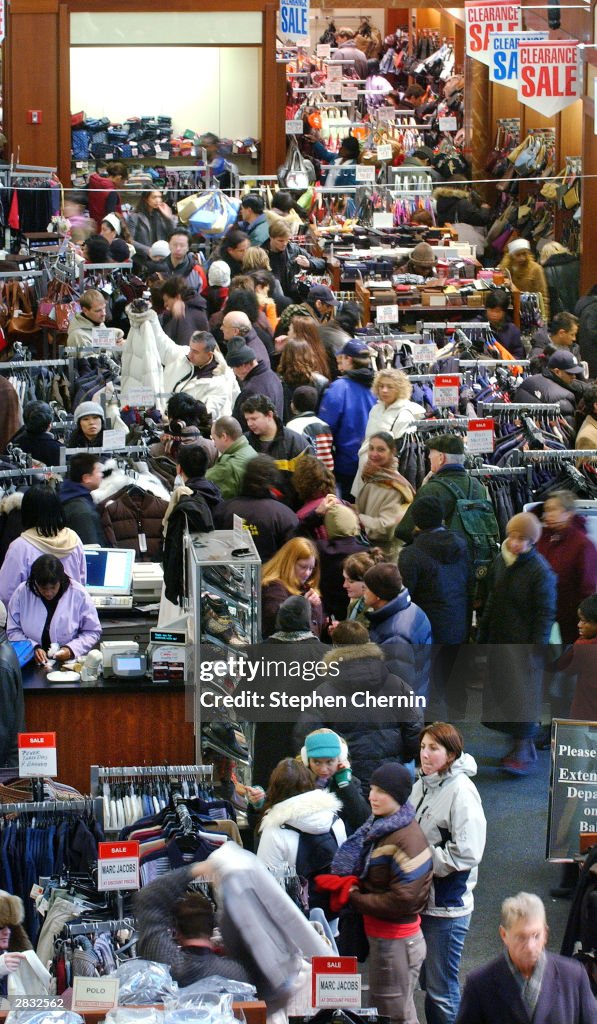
pixel 85 474
pixel 254 378
pixel 586 311
pixel 560 382
pixel 12 718
pixel 268 436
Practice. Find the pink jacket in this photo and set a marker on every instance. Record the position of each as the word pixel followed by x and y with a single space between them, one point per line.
pixel 75 623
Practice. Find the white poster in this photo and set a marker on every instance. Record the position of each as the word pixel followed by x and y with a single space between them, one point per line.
pixel 484 17
pixel 549 76
pixel 503 55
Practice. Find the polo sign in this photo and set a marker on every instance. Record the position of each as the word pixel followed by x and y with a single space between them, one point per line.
pixel 294 21
pixel 484 17
pixel 549 75
pixel 503 55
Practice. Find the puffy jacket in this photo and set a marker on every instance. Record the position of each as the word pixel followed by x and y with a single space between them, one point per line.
pixel 80 512
pixel 133 519
pixel 404 630
pixel 586 311
pixel 228 472
pixel 315 813
pixel 545 387
pixel 345 406
pixel 193 511
pixel 79 332
pixel 562 271
pixel 12 719
pixel 521 602
pixel 373 734
pixel 180 329
pixel 24 551
pixel 436 569
pixel 455 475
pixel 455 206
pixel 285 268
pixel 449 811
pixel 74 624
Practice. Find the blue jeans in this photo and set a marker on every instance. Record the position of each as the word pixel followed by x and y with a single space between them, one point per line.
pixel 445 941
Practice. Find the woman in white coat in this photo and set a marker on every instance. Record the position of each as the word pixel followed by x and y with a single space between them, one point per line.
pixel 448 809
pixel 394 412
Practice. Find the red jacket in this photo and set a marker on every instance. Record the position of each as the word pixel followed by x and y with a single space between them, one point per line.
pixel 573 558
pixel 97 197
pixel 581 661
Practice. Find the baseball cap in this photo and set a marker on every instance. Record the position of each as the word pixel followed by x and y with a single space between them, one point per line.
pixel 321 293
pixel 565 361
pixel 354 348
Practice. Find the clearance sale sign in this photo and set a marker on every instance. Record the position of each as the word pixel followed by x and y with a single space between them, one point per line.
pixel 484 17
pixel 549 75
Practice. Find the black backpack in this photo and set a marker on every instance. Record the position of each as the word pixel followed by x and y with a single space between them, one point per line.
pixel 474 519
pixel 314 857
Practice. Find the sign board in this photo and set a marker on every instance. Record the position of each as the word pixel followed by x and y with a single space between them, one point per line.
pixel 386 315
pixel 101 336
pixel 503 55
pixel 549 75
pixel 294 21
pixel 335 982
pixel 386 113
pixel 480 436
pixel 140 398
pixel 572 789
pixel 113 439
pixel 295 126
pixel 95 994
pixel 384 152
pixel 381 219
pixel 324 51
pixel 446 388
pixel 117 866
pixel 363 173
pixel 426 353
pixel 482 17
pixel 332 88
pixel 37 754
pixel 335 73
pixel 350 92
pixel 448 124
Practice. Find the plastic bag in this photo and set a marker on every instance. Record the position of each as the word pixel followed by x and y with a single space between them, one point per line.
pixel 215 986
pixel 126 1015
pixel 296 172
pixel 144 982
pixel 44 1017
pixel 215 212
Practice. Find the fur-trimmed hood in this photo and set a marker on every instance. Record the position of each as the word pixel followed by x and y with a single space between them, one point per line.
pixel 118 478
pixel 312 812
pixel 10 502
pixel 353 652
pixel 12 913
pixel 450 192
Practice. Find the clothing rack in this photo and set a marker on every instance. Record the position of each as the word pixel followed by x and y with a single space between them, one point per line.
pixel 99 773
pixel 126 449
pixel 6 275
pixel 562 453
pixel 528 407
pixel 18 471
pixel 456 421
pixel 471 364
pixel 28 364
pixel 54 806
pixel 72 929
pixel 89 267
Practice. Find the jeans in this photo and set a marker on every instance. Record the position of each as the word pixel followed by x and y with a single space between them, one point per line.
pixel 394 968
pixel 445 941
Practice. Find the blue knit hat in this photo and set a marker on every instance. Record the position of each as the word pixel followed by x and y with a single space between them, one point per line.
pixel 323 743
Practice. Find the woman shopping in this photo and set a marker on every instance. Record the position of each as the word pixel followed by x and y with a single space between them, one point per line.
pixel 448 809
pixel 293 570
pixel 384 496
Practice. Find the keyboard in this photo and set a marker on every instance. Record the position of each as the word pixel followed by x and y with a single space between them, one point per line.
pixel 112 600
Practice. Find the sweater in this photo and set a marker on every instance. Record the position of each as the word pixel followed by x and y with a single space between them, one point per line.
pixel 74 624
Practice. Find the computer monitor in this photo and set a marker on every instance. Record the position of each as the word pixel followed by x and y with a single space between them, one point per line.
pixel 109 570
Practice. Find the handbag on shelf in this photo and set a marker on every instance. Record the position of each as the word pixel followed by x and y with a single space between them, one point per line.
pixel 296 172
pixel 57 309
pixel 20 325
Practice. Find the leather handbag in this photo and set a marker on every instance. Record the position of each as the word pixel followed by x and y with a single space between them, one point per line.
pixel 55 312
pixel 21 322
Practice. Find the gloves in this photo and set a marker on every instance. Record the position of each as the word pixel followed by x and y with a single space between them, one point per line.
pixel 342 777
pixel 339 887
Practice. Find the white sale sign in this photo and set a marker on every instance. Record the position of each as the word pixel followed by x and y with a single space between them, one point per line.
pixel 503 55
pixel 549 75
pixel 484 17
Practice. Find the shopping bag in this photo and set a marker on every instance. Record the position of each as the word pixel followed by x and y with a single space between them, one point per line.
pixel 215 213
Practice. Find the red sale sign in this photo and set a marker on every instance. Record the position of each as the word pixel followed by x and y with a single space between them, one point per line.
pixel 484 17
pixel 549 75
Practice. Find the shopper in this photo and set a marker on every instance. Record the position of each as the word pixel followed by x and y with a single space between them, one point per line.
pixel 563 332
pixel 89 421
pixel 353 572
pixel 267 435
pixel 315 488
pixel 562 272
pixel 525 272
pixel 193 507
pixel 461 207
pixel 12 721
pixel 234 453
pixel 288 259
pixel 571 555
pixel 392 867
pixel 297 368
pixel 497 305
pixel 555 384
pixel 256 380
pixel 266 518
pixel 114 227
pixel 586 311
pixel 344 538
pixel 306 328
pixel 586 439
pixel 232 249
pixel 420 262
pixel 184 311
pixel 13 937
pixel 345 406
pixel 267 289
pixel 44 531
pixel 342 172
pixel 218 277
pixel 96 249
pixel 347 51
pixel 52 611
pixel 449 811
pixel 384 496
pixel 294 569
pixel 92 315
pixel 236 323
pixel 102 194
pixel 377 87
pixel 527 982
pixel 326 755
pixel 252 213
pixel 516 624
pixel 151 221
pixel 580 661
pixel 398 625
pixel 304 402
pixel 85 474
pixel 11 406
pixel 35 436
pixel 394 411
pixel 181 261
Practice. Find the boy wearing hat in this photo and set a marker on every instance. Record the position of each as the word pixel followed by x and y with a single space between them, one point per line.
pixel 398 625
pixel 390 861
pixel 446 459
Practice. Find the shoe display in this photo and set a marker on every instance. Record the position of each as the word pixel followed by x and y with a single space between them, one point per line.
pixel 228 579
pixel 226 738
pixel 217 620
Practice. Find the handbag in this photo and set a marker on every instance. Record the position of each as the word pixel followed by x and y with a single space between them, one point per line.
pixel 21 322
pixel 215 213
pixel 55 312
pixel 296 172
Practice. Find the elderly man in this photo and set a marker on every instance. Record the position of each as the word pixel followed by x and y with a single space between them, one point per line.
pixel 527 983
pixel 238 325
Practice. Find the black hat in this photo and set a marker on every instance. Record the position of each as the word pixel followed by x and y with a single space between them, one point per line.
pixel 427 512
pixel 564 360
pixel 383 580
pixel 449 444
pixel 321 293
pixel 394 779
pixel 305 398
pixel 238 352
pixel 294 615
pixel 119 251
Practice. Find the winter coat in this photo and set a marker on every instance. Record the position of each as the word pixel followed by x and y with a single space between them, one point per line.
pixel 258 231
pixel 573 558
pixel 509 336
pixel 24 551
pixel 259 381
pixel 529 279
pixel 180 329
pixel 286 448
pixel 456 206
pixel 317 381
pixel 195 512
pixel 315 813
pixel 151 359
pixel 380 508
pixel 74 624
pixel 81 513
pixel 80 332
pixel 543 347
pixel 345 406
pixel 147 228
pixel 332 554
pixel 562 272
pixel 436 568
pixel 395 419
pixel 12 719
pixel 546 387
pixel 586 439
pixel 285 268
pixel 581 661
pixel 318 434
pixel 272 596
pixel 42 447
pixel 132 518
pixel 190 271
pixel 229 471
pixel 404 631
pixel 586 311
pixel 452 474
pixel 269 521
pixel 11 412
pixel 449 811
pixel 373 734
pixel 348 51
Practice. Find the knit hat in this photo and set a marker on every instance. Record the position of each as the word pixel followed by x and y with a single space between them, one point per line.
pixel 323 743
pixel 449 444
pixel 11 909
pixel 341 521
pixel 423 255
pixel 305 398
pixel 119 251
pixel 3 615
pixel 427 512
pixel 88 409
pixel 159 250
pixel 526 525
pixel 518 245
pixel 218 274
pixel 394 779
pixel 294 615
pixel 114 221
pixel 383 580
pixel 238 352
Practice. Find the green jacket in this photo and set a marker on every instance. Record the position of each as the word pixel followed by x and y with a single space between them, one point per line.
pixel 455 475
pixel 229 470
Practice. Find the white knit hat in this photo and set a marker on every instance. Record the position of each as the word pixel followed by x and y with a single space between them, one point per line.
pixel 218 274
pixel 159 250
pixel 518 245
pixel 114 221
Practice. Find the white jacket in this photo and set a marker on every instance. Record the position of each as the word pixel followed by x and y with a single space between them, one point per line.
pixel 449 811
pixel 312 812
pixel 395 419
pixel 151 359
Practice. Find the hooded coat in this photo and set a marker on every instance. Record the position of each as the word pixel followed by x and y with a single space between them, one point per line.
pixel 345 407
pixel 573 558
pixel 404 631
pixel 449 811
pixel 23 552
pixel 12 719
pixel 436 568
pixel 315 813
pixel 456 206
pixel 74 624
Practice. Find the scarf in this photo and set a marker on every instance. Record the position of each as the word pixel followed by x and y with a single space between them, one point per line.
pixel 177 494
pixel 65 541
pixel 507 555
pixel 352 858
pixel 389 477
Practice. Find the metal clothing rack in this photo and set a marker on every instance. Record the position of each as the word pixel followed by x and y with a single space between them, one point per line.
pixel 54 806
pixel 28 364
pixel 553 455
pixel 161 771
pixel 74 928
pixel 5 275
pixel 126 449
pixel 457 421
pixel 87 267
pixel 528 407
pixel 470 364
pixel 11 474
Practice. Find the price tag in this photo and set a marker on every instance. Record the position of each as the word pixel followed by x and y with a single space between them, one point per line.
pixel 95 994
pixel 103 336
pixel 424 353
pixel 446 389
pixel 294 126
pixel 384 152
pixel 37 754
pixel 113 439
pixel 335 73
pixel 238 524
pixel 117 866
pixel 143 398
pixel 386 314
pixel 324 50
pixel 335 982
pixel 480 436
pixel 363 173
pixel 332 88
pixel 350 92
pixel 386 113
pixel 448 124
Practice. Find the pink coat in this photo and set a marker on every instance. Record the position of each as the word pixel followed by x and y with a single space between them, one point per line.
pixel 75 623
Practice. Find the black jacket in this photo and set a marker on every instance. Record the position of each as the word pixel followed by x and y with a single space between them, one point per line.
pixel 42 447
pixel 81 513
pixel 180 329
pixel 562 272
pixel 521 603
pixel 285 449
pixel 456 206
pixel 373 734
pixel 437 571
pixel 285 268
pixel 546 387
pixel 586 311
pixel 197 511
pixel 260 381
pixel 270 522
pixel 12 719
pixel 331 556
